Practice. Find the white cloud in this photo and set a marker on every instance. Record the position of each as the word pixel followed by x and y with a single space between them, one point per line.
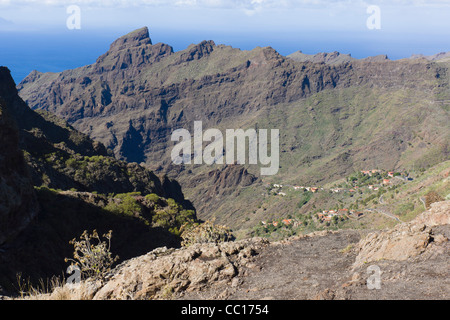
pixel 230 14
pixel 5 22
pixel 238 4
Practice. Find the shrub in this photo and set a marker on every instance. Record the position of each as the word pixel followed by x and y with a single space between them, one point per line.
pixel 94 260
pixel 172 203
pixel 128 205
pixel 432 197
pixel 72 163
pixel 206 232
pixel 174 219
pixel 153 197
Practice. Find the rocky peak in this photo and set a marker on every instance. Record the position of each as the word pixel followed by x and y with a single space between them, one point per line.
pixel 334 57
pixel 434 57
pixel 129 52
pixel 378 58
pixel 33 76
pixel 133 39
pixel 197 51
pixel 440 55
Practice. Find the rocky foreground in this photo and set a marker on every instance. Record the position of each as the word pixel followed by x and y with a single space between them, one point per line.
pixel 413 259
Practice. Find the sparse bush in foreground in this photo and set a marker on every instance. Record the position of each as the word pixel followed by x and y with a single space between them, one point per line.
pixel 96 260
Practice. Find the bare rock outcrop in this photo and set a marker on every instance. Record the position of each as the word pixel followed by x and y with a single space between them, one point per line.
pixel 406 240
pixel 437 215
pixel 412 259
pixel 163 272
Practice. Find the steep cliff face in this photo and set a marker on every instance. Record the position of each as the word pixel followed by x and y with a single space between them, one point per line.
pixel 41 158
pixel 18 204
pixel 61 157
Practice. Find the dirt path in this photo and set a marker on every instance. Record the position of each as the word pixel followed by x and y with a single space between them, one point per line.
pixel 387 213
pixel 320 267
pixel 295 269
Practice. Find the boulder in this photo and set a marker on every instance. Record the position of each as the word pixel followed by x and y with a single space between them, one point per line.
pixel 162 273
pixel 405 240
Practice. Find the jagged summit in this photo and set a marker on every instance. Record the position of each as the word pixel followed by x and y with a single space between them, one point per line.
pixel 378 58
pixel 323 57
pixel 334 57
pixel 133 39
pixel 435 57
pixel 130 51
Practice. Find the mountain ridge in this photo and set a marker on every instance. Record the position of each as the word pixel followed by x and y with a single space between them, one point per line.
pixel 336 118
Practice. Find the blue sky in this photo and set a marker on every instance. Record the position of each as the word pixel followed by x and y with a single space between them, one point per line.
pixel 34 35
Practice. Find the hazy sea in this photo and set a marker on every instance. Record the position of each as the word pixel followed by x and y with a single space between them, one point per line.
pixel 55 51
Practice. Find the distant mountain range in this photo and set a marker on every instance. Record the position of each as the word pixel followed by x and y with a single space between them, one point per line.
pixel 337 57
pixel 336 114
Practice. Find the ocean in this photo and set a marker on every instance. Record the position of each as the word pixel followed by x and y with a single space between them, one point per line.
pixel 56 51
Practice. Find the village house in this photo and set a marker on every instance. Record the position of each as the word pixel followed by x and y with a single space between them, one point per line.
pixel 273 223
pixel 323 217
pixel 386 181
pixel 370 172
pixel 391 174
pixel 314 189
